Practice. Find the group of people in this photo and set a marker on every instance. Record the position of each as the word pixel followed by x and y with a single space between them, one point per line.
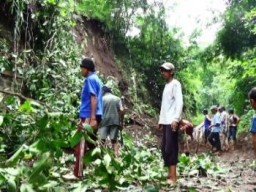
pixel 172 125
pixel 220 129
pixel 104 112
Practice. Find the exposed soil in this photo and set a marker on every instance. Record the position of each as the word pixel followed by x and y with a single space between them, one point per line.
pixel 239 173
pixel 97 47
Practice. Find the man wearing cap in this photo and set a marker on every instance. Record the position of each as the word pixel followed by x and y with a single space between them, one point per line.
pixel 215 127
pixel 170 116
pixel 90 112
pixel 112 120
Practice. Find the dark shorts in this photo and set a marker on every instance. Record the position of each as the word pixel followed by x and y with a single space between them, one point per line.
pixel 207 132
pixel 111 131
pixel 214 139
pixel 253 126
pixel 232 133
pixel 170 146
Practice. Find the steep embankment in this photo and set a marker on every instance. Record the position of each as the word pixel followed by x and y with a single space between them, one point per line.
pixel 86 31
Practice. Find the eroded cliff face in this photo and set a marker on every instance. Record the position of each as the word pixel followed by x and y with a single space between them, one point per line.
pixel 87 32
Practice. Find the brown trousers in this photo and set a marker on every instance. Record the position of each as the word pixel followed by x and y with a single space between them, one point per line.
pixel 82 147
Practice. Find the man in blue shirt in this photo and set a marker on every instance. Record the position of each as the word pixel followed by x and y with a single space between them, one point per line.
pixel 215 127
pixel 90 112
pixel 252 97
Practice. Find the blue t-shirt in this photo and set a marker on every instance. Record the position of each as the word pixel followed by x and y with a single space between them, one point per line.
pixel 216 120
pixel 207 123
pixel 253 127
pixel 92 86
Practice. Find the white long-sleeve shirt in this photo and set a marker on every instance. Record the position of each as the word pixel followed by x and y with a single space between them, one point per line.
pixel 172 103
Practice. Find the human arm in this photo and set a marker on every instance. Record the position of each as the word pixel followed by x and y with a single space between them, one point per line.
pixel 93 121
pixel 237 120
pixel 179 105
pixel 121 113
pixel 93 90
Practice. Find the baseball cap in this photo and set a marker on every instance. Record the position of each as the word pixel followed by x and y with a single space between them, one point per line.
pixel 88 63
pixel 168 66
pixel 214 107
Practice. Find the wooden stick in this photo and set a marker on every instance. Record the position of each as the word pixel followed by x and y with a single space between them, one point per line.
pixel 6 74
pixel 187 141
pixel 17 94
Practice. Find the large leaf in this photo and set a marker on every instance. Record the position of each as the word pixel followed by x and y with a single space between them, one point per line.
pixel 40 165
pixel 151 188
pixel 75 139
pixel 1 97
pixel 26 107
pixel 88 128
pixel 49 185
pixel 26 187
pixel 16 156
pixel 42 123
pixel 11 185
pixel 89 139
pixel 96 151
pixel 1 120
pixel 107 160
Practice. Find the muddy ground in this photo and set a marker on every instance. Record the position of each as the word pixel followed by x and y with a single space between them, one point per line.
pixel 239 170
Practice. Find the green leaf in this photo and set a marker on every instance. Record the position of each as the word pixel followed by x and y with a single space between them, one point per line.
pixel 11 185
pixel 42 123
pixel 12 171
pixel 151 188
pixel 27 51
pixel 97 150
pixel 88 128
pixel 144 178
pixel 15 157
pixel 193 172
pixel 40 165
pixel 25 187
pixel 49 185
pixel 26 107
pixel 75 139
pixel 55 114
pixel 89 139
pixel 1 120
pixel 36 147
pixel 2 178
pixel 107 160
pixel 89 158
pixel 1 97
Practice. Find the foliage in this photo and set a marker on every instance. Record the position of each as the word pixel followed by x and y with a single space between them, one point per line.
pixel 226 68
pixel 245 123
pixel 34 134
pixel 235 37
pixel 36 162
pixel 201 165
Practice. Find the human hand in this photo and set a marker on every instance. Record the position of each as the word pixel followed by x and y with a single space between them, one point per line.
pixel 174 126
pixel 159 126
pixel 93 123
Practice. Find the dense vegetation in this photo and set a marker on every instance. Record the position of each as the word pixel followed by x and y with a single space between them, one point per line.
pixel 45 52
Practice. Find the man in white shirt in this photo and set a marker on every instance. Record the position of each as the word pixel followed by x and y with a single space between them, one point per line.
pixel 215 127
pixel 170 116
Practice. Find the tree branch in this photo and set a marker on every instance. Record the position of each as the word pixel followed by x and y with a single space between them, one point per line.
pixel 18 95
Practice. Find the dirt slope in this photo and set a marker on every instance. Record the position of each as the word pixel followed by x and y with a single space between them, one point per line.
pixel 97 47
